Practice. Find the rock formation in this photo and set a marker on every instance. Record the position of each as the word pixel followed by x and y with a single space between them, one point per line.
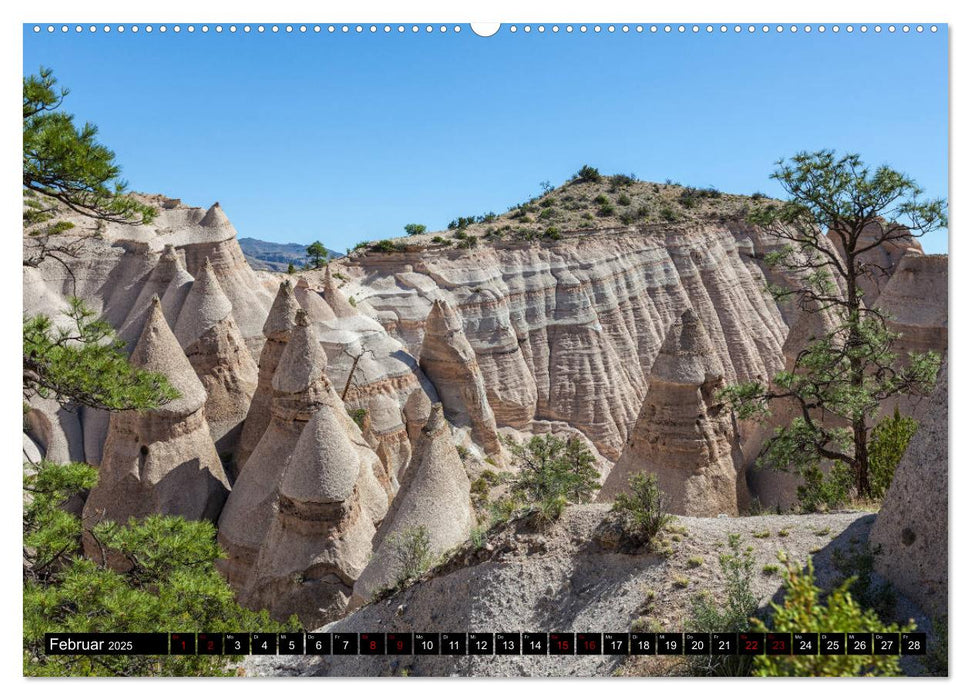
pixel 915 301
pixel 313 303
pixel 161 460
pixel 335 299
pixel 299 389
pixel 567 331
pixel 450 363
pixel 319 541
pixel 434 494
pixel 212 342
pixel 277 329
pixel 912 526
pixel 214 237
pixel 683 433
pixel 417 410
pixel 176 293
pixel 168 267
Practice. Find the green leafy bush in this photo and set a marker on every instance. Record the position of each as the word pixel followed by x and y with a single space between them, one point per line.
pixel 819 491
pixel 412 554
pixel 553 472
pixel 415 229
pixel 385 246
pixel 731 613
pixel 587 174
pixel 171 583
pixel 888 441
pixel 623 200
pixel 802 610
pixel 642 511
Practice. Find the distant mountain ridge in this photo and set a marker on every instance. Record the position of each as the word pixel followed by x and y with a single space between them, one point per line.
pixel 266 255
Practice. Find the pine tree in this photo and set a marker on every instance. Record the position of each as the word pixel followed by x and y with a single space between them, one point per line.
pixel 849 372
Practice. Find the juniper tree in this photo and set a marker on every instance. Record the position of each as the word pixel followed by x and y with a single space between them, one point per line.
pixel 847 373
pixel 317 254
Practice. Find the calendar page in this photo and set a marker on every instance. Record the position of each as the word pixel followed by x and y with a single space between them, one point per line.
pixel 516 349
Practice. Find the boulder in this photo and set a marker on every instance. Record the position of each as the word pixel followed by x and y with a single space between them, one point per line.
pixel 911 529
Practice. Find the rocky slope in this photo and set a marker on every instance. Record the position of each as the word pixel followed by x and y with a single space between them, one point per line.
pixel 566 579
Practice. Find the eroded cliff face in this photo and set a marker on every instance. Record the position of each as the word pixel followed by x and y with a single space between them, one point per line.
pixel 568 330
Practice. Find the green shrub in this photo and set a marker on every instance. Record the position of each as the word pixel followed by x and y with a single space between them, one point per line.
pixel 415 229
pixel 731 613
pixel 172 583
pixel 552 473
pixel 385 246
pixel 888 441
pixel 803 611
pixel 759 195
pixel 552 232
pixel 469 242
pixel 667 213
pixel 627 218
pixel 622 180
pixel 358 415
pixel 587 174
pixel 411 551
pixel 441 241
pixel 623 200
pixel 642 511
pixel 601 199
pixel 606 210
pixel 820 491
pixel 855 564
pixel 547 213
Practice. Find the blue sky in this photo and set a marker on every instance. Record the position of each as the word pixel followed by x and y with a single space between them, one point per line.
pixel 347 137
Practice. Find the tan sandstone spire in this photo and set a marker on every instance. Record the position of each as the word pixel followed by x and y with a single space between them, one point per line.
pixel 434 494
pixel 320 537
pixel 684 434
pixel 158 280
pixel 299 389
pixel 335 298
pixel 277 329
pixel 176 292
pixel 208 332
pixel 449 361
pixel 161 460
pixel 313 303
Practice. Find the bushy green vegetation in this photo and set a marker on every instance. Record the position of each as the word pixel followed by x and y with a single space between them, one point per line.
pixel 732 612
pixel 888 442
pixel 415 229
pixel 86 363
pixel 552 473
pixel 587 174
pixel 804 610
pixel 169 582
pixel 642 511
pixel 412 554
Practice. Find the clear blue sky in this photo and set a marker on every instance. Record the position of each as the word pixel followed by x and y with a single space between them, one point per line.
pixel 343 138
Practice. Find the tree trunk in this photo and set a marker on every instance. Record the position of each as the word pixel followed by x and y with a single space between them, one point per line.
pixel 862 464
